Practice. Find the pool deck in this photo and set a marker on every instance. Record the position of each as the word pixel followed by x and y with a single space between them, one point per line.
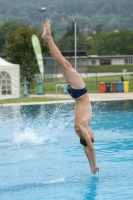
pixel 67 98
pixel 93 96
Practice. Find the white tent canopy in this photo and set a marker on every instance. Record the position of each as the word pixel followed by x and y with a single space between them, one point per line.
pixel 9 80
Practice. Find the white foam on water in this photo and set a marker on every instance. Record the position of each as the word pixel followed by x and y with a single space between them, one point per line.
pixel 58 180
pixel 28 137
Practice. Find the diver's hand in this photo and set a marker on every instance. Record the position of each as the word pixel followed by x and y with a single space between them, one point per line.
pixel 94 169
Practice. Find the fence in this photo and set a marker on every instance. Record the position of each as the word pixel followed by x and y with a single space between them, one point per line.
pixel 93 83
pixel 0 96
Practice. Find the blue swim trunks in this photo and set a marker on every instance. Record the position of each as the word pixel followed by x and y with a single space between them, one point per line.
pixel 76 93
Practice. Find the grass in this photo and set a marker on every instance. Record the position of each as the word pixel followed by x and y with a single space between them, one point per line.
pixel 109 68
pixel 28 99
pixel 92 85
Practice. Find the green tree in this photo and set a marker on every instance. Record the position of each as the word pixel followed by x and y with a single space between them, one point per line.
pixel 111 14
pixel 19 50
pixel 67 42
pixel 125 42
pixel 89 42
pixel 4 28
pixel 98 28
pixel 106 43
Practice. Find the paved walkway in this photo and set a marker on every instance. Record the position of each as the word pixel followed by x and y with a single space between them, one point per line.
pixel 93 96
pixel 67 98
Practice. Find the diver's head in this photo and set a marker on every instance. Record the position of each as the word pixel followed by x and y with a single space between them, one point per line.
pixel 91 133
pixel 83 141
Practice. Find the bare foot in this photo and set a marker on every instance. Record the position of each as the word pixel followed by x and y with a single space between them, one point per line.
pixel 46 30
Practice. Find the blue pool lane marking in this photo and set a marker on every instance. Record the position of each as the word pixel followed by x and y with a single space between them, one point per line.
pixel 2 118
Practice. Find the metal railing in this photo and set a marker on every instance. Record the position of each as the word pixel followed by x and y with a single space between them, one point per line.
pixel 0 97
pixel 61 85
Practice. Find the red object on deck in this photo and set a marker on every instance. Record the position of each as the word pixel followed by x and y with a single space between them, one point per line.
pixel 102 87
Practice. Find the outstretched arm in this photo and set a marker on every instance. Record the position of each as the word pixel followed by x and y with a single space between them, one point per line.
pixel 88 155
pixel 89 150
pixel 93 169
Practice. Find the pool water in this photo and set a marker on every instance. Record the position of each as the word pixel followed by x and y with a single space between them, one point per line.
pixel 41 157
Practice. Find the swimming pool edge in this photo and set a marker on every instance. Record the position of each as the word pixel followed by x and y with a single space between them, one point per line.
pixel 92 96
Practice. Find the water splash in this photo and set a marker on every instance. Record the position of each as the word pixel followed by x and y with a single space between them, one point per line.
pixel 28 137
pixel 35 125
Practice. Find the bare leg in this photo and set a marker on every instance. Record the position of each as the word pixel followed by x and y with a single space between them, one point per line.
pixel 70 75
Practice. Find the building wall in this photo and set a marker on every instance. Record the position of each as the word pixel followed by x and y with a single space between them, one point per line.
pixel 117 61
pixel 83 62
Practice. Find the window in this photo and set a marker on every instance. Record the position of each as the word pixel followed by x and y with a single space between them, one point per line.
pixel 93 62
pixel 128 61
pixel 5 83
pixel 105 62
